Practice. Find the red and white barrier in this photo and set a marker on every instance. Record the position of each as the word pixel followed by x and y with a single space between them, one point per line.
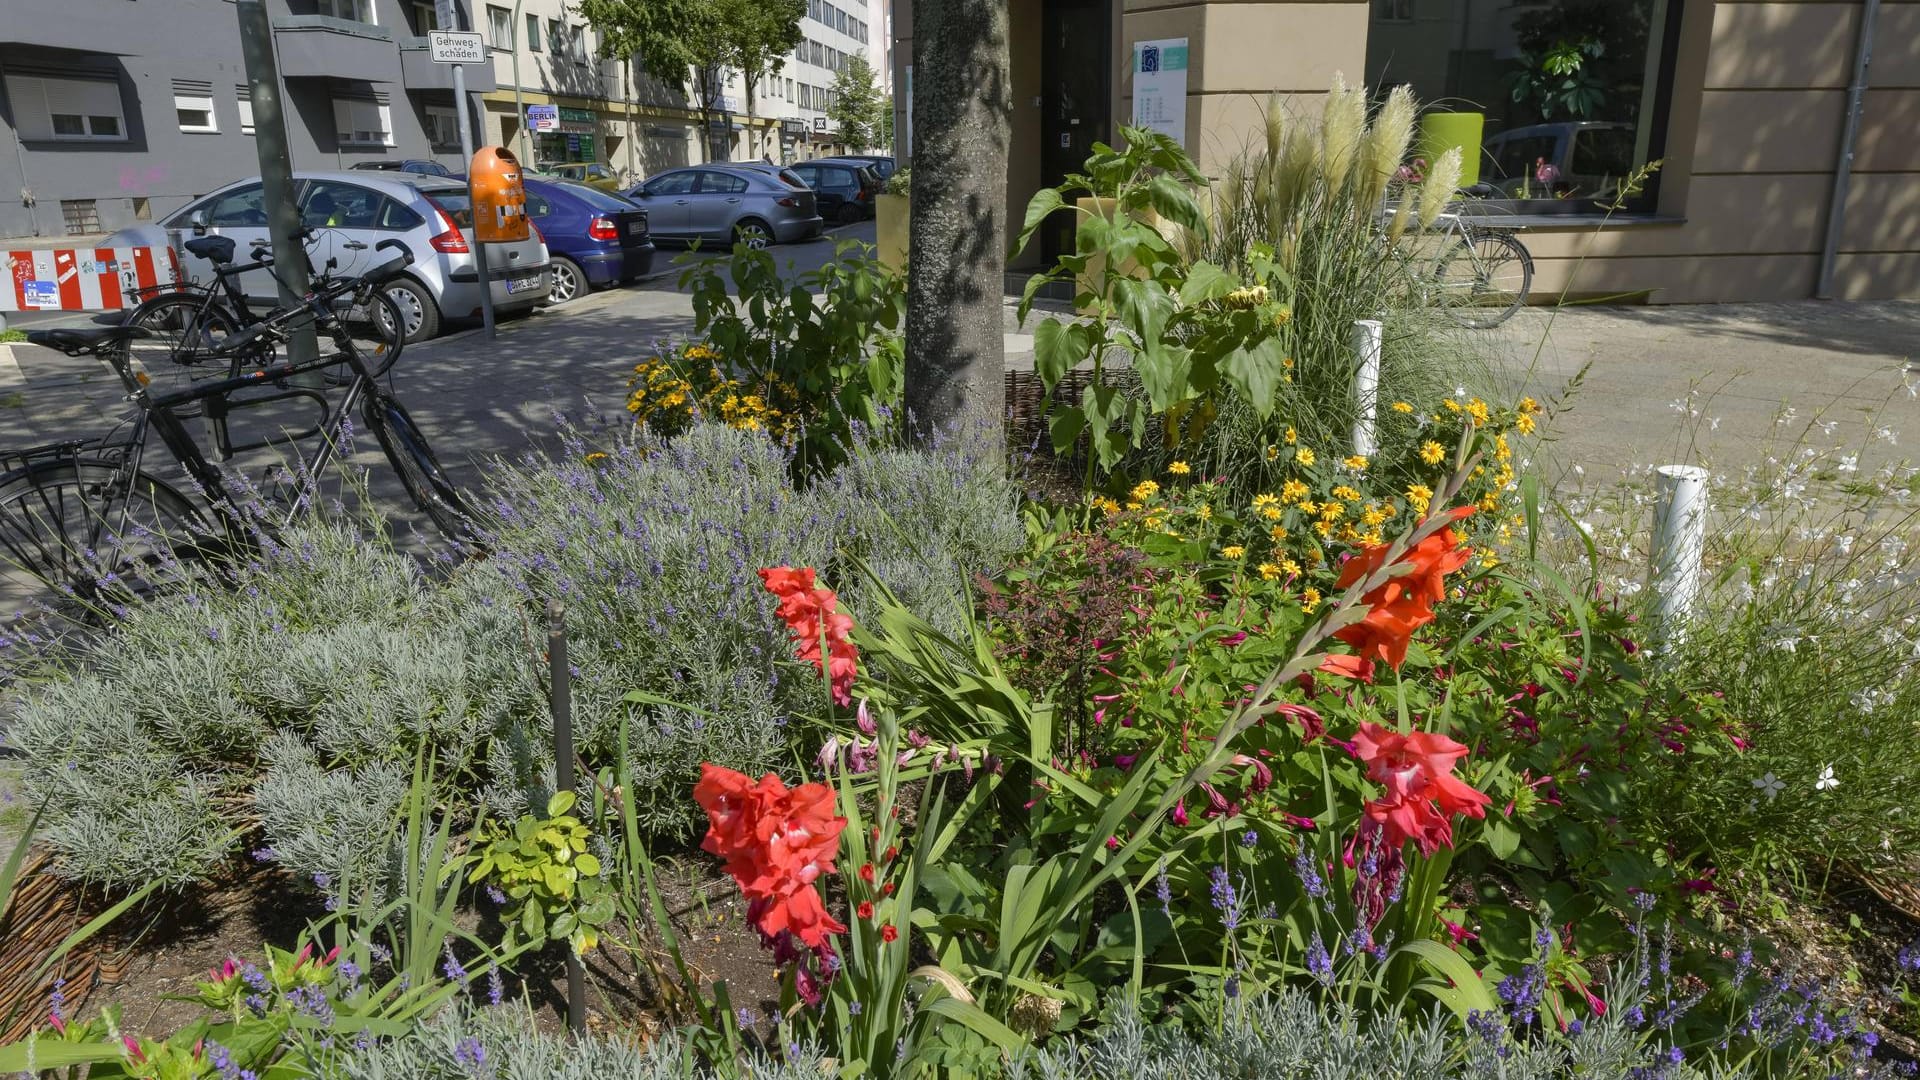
pixel 85 279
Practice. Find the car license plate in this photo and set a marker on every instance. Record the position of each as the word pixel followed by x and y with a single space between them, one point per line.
pixel 522 284
pixel 635 228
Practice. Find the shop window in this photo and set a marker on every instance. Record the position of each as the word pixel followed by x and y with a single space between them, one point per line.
pixel 1572 93
pixel 76 109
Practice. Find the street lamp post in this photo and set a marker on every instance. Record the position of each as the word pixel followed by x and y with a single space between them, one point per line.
pixel 519 100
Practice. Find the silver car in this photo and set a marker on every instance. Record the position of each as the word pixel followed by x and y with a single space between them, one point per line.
pixel 351 212
pixel 728 203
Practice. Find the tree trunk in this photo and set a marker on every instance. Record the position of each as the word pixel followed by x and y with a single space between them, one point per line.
pixel 956 266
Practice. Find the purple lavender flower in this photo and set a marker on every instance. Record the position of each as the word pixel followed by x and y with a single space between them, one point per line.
pixel 1319 964
pixel 452 969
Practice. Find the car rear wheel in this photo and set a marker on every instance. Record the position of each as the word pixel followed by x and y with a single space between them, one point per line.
pixel 849 213
pixel 569 281
pixel 753 233
pixel 417 311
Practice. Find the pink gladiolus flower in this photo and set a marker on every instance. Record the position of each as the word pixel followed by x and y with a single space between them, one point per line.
pixel 1460 934
pixel 1180 813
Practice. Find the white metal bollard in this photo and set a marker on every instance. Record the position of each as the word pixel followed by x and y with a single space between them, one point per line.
pixel 1366 384
pixel 1679 544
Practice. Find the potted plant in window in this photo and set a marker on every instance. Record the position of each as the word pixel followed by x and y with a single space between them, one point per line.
pixel 890 221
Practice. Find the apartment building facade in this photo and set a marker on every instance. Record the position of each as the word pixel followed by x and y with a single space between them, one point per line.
pixel 114 112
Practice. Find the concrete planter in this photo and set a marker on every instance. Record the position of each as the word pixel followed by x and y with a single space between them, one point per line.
pixel 890 231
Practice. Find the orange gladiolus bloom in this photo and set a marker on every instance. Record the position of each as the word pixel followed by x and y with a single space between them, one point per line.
pixel 1401 605
pixel 776 843
pixel 1423 795
pixel 809 612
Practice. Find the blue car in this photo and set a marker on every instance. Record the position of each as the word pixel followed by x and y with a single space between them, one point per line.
pixel 594 237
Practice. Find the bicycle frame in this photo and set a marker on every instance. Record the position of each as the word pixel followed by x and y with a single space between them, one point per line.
pixel 155 413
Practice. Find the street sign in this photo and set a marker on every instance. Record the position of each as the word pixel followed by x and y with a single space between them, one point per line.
pixel 456 47
pixel 819 123
pixel 543 117
pixel 445 16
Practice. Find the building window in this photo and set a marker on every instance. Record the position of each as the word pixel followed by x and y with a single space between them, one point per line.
pixel 424 18
pixel 557 38
pixel 76 109
pixel 350 10
pixel 243 96
pixel 195 113
pixel 1571 95
pixel 789 89
pixel 80 215
pixel 500 27
pixel 362 123
pixel 533 33
pixel 443 127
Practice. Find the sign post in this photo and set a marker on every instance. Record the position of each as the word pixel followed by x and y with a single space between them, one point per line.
pixel 459 48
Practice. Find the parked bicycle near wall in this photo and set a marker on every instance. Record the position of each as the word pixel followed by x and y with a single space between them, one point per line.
pixel 1480 272
pixel 88 517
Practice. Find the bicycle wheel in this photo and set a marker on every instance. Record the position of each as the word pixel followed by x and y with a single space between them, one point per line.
pixel 369 319
pixel 420 472
pixel 188 340
pixel 1483 279
pixel 98 533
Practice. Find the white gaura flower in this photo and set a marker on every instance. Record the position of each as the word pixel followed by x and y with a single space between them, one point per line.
pixel 1850 463
pixel 1771 786
pixel 1827 781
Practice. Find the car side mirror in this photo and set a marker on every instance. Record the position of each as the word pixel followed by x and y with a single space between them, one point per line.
pixel 197 221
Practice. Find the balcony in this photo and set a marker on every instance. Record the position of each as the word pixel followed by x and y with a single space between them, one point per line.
pixel 323 47
pixel 419 72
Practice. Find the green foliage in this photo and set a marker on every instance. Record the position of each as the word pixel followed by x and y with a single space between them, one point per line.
pixel 553 884
pixel 295 700
pixel 901 182
pixel 856 107
pixel 690 42
pixel 827 345
pixel 1560 81
pixel 1193 332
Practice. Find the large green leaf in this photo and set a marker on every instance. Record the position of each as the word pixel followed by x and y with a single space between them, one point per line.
pixel 1057 347
pixel 1206 281
pixel 1065 428
pixel 1163 374
pixel 1174 201
pixel 1143 307
pixel 1044 202
pixel 1254 373
pixel 1468 992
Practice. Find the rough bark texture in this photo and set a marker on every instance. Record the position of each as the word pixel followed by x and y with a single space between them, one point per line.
pixel 956 265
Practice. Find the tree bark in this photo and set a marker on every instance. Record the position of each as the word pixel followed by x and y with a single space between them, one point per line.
pixel 956 265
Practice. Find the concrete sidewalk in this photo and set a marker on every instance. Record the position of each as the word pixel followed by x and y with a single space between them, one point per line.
pixel 1718 385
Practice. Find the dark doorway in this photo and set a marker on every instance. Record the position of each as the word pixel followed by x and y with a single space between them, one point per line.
pixel 1076 98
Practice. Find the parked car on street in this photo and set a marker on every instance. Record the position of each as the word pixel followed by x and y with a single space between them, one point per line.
pixel 351 212
pixel 592 174
pixel 594 237
pixel 882 165
pixel 727 203
pixel 845 189
pixel 423 166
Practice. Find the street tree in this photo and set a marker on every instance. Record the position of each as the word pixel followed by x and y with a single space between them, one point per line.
pixel 761 34
pixel 695 43
pixel 962 122
pixel 856 104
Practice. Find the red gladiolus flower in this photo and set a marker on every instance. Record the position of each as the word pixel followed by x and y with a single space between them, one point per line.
pixel 1423 795
pixel 866 873
pixel 809 612
pixel 1399 606
pixel 776 842
pixel 888 933
pixel 865 910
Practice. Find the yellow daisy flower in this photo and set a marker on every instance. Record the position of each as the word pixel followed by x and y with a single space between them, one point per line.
pixel 1269 571
pixel 1431 452
pixel 1357 462
pixel 1303 455
pixel 1292 436
pixel 1144 490
pixel 1179 468
pixel 1293 491
pixel 1402 407
pixel 1232 551
pixel 1309 599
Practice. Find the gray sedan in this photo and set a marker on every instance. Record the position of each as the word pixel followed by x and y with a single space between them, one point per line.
pixel 728 203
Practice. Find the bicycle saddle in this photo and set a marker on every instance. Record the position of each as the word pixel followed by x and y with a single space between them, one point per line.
pixel 1479 191
pixel 218 249
pixel 75 340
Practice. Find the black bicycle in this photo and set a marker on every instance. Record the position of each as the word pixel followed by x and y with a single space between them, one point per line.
pixel 195 329
pixel 88 517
